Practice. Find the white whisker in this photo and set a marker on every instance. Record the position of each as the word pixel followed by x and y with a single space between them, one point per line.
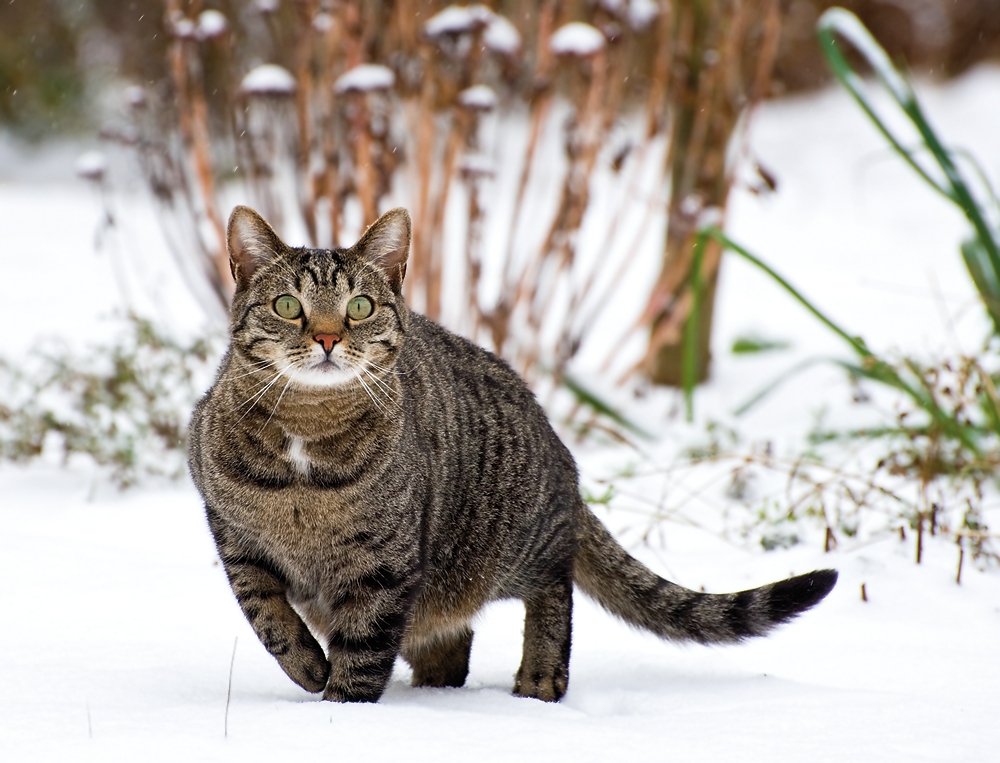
pixel 377 367
pixel 389 392
pixel 263 367
pixel 372 396
pixel 266 383
pixel 254 400
pixel 275 409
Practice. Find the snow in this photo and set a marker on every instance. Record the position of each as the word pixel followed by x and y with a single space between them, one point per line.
pixel 365 78
pixel 323 23
pixel 126 626
pixel 457 19
pixel 501 36
pixel 134 96
pixel 211 24
pixel 639 13
pixel 184 28
pixel 478 97
pixel 120 625
pixel 477 164
pixel 268 79
pixel 91 165
pixel 642 12
pixel 576 39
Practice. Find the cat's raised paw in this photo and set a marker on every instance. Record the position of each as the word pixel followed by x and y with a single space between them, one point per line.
pixel 310 673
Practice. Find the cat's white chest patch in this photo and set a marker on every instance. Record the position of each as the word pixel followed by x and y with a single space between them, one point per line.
pixel 297 455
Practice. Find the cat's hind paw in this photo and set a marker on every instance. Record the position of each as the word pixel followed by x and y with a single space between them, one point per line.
pixel 548 687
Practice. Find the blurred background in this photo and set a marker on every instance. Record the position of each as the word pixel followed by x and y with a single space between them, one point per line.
pixel 518 133
pixel 58 58
pixel 558 158
pixel 756 290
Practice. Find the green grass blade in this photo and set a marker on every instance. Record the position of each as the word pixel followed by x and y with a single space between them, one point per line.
pixel 594 401
pixel 689 362
pixel 955 189
pixel 727 243
pixel 839 20
pixel 979 266
pixel 871 366
pixel 756 345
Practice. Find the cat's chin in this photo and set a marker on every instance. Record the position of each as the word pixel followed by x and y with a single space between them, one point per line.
pixel 323 375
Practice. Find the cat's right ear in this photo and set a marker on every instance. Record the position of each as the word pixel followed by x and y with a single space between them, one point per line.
pixel 386 245
pixel 251 243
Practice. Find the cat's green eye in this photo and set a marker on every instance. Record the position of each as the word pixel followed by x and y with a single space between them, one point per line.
pixel 359 308
pixel 288 307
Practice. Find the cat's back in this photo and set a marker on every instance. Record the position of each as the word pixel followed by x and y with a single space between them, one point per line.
pixel 446 376
pixel 497 470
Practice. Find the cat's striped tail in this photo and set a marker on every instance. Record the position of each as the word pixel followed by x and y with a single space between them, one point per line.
pixel 624 587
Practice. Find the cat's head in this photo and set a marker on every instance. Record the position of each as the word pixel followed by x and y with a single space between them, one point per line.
pixel 321 318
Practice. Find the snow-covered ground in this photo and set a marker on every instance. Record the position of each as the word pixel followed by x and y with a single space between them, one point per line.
pixel 118 627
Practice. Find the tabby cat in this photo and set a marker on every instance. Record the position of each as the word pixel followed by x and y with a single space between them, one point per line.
pixel 372 481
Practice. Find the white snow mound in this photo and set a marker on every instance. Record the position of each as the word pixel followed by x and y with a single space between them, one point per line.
pixel 91 165
pixel 211 24
pixel 365 77
pixel 576 39
pixel 501 36
pixel 456 19
pixel 478 97
pixel 268 79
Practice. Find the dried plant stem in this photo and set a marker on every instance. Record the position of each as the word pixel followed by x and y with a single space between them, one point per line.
pixel 540 106
pixel 304 100
pixel 422 116
pixel 229 690
pixel 339 148
pixel 961 559
pixel 364 172
pixel 655 99
pixel 711 41
pixel 557 254
pixel 829 540
pixel 920 537
pixel 192 112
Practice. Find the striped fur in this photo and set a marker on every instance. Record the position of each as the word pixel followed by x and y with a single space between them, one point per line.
pixel 369 504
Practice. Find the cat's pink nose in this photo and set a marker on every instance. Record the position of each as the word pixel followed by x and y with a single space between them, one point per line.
pixel 327 340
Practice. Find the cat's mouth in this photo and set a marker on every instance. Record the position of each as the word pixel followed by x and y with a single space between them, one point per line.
pixel 327 366
pixel 327 372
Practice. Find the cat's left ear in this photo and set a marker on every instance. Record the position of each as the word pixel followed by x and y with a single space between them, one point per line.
pixel 386 245
pixel 251 243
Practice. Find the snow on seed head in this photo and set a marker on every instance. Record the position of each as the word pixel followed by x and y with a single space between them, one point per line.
pixel 365 78
pixel 268 79
pixel 576 39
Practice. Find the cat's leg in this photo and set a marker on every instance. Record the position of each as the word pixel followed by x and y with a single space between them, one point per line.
pixel 261 596
pixel 369 619
pixel 261 593
pixel 544 671
pixel 442 660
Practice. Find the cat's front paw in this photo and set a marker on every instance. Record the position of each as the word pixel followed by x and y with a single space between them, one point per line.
pixel 311 671
pixel 337 693
pixel 358 678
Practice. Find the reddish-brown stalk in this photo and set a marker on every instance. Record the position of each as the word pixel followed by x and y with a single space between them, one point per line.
pixel 193 123
pixel 304 100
